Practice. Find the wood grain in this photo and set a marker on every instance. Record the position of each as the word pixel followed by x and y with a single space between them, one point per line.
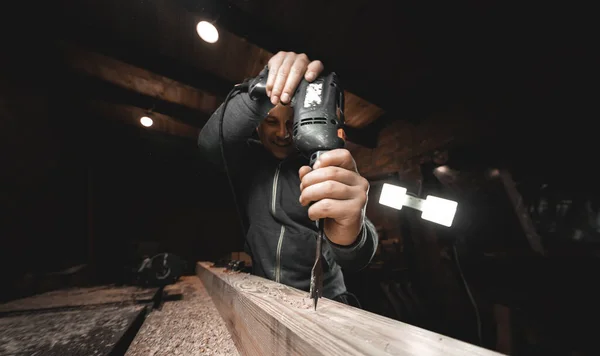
pixel 138 79
pixel 77 297
pixel 268 318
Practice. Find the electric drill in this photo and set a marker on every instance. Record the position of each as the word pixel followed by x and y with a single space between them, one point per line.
pixel 318 127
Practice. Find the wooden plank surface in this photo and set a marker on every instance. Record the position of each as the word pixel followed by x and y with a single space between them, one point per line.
pixel 189 326
pixel 268 318
pixel 76 297
pixel 92 330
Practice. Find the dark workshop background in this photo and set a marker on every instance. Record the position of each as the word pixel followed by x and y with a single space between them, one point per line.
pixel 487 104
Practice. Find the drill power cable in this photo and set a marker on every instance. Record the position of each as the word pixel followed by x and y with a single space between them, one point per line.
pixel 236 88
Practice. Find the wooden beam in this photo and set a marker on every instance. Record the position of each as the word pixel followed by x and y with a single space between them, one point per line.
pixel 131 115
pixel 73 297
pixel 269 318
pixel 137 79
pixel 86 84
pixel 365 137
pixel 82 87
pixel 168 30
pixel 534 239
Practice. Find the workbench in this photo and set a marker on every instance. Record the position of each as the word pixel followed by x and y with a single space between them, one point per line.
pixel 269 318
pixel 180 319
pixel 217 312
pixel 77 321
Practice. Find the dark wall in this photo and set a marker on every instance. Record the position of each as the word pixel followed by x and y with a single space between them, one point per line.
pixel 81 189
pixel 154 189
pixel 41 207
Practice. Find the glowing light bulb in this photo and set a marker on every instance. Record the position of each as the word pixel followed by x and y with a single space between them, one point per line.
pixel 146 121
pixel 207 31
pixel 438 210
pixel 392 196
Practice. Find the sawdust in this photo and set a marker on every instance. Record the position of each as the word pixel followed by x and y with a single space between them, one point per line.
pixel 91 331
pixel 190 326
pixel 81 296
pixel 280 292
pixel 284 295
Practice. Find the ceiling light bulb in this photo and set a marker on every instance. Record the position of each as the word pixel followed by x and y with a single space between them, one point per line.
pixel 146 121
pixel 207 31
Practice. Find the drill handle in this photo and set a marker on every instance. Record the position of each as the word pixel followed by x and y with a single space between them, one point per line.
pixel 257 88
pixel 314 157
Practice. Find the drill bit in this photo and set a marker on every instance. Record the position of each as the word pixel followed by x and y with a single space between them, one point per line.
pixel 316 278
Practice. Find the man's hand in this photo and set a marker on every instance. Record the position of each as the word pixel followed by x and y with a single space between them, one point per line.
pixel 340 194
pixel 286 70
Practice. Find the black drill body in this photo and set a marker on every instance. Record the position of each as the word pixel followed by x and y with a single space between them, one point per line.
pixel 318 113
pixel 318 127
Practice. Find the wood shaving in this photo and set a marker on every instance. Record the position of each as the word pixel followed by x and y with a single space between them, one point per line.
pixel 190 326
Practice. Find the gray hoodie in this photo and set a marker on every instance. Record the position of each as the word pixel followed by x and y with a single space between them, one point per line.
pixel 280 236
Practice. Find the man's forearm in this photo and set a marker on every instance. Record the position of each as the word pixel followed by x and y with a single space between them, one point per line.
pixel 361 252
pixel 242 116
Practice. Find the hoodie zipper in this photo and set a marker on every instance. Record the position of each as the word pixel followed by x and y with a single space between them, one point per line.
pixel 282 231
pixel 278 262
pixel 274 193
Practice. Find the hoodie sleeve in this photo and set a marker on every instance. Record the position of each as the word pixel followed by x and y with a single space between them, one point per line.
pixel 241 116
pixel 358 255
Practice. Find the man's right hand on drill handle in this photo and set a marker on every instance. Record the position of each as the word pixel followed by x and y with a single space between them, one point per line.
pixel 286 71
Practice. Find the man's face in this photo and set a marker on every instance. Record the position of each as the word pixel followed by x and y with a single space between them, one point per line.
pixel 275 131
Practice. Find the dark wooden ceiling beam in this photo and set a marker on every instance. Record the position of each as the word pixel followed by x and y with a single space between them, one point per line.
pixel 137 79
pixel 83 87
pixel 119 92
pixel 142 55
pixel 164 29
pixel 131 115
pixel 273 25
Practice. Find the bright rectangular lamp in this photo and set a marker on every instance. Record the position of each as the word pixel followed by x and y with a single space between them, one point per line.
pixel 392 196
pixel 439 210
pixel 434 209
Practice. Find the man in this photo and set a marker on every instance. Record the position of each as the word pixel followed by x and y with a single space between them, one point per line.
pixel 275 187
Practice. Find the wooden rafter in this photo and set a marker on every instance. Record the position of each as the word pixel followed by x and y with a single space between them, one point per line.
pixel 167 29
pixel 137 79
pixel 131 115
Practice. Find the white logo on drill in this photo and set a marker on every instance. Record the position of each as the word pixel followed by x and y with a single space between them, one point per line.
pixel 313 94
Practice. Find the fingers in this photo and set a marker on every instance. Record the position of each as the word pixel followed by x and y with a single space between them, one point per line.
pixel 281 76
pixel 310 177
pixel 286 70
pixel 294 77
pixel 274 64
pixel 314 70
pixel 340 210
pixel 303 171
pixel 327 190
pixel 340 157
